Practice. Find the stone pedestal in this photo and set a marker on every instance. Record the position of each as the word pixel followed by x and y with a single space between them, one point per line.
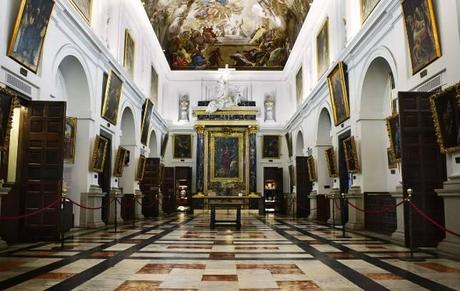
pixel 313 205
pixel 398 234
pixel 91 218
pixel 115 193
pixel 138 205
pixel 451 196
pixel 355 217
pixel 3 192
pixel 334 208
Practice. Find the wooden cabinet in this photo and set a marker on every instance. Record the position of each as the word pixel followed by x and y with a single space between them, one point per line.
pixel 168 196
pixel 183 188
pixel 273 190
pixel 150 186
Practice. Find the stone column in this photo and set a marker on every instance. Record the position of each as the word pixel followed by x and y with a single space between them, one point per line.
pixel 3 192
pixel 200 160
pixel 252 160
pixel 335 192
pixel 451 195
pixel 115 193
pixel 398 234
pixel 313 205
pixel 355 217
pixel 91 218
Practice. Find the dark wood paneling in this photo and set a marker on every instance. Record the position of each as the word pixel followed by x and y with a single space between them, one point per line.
pixel 380 222
pixel 423 166
pixel 275 174
pixel 322 208
pixel 304 187
pixel 183 177
pixel 150 186
pixel 42 168
pixel 167 190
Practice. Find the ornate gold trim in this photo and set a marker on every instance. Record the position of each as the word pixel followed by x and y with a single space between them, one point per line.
pixel 140 168
pixel 87 18
pixel 340 69
pixel 128 37
pixel 199 129
pixel 324 26
pixel 13 104
pixel 99 139
pixel 240 136
pixel 351 156
pixel 73 122
pixel 263 147
pixel 390 136
pixel 189 154
pixel 311 165
pixel 106 95
pixel 119 160
pixel 330 157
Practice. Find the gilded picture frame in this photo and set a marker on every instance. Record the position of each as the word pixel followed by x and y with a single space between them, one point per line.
pixel 322 49
pixel 311 165
pixel 392 163
pixel 111 100
pixel 445 108
pixel 367 7
pixel 98 155
pixel 70 139
pixel 421 33
pixel 331 162
pixel 351 155
pixel 7 103
pixel 140 168
pixel 119 167
pixel 129 55
pixel 394 135
pixel 84 8
pixel 271 147
pixel 182 146
pixel 222 162
pixel 27 40
pixel 146 116
pixel 338 94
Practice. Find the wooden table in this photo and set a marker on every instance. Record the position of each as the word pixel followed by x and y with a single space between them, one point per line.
pixel 226 206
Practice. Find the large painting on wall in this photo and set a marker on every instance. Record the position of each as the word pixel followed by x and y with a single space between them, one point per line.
pixel 70 138
pixel 154 86
pixel 299 86
pixel 246 34
pixel 29 32
pixel 99 152
pixel 120 162
pixel 271 147
pixel 227 157
pixel 339 94
pixel 331 163
pixel 129 53
pixel 322 49
pixel 422 32
pixel 111 100
pixel 445 107
pixel 6 114
pixel 84 8
pixel 351 155
pixel 146 116
pixel 182 146
pixel 367 6
pixel 394 135
pixel 140 168
pixel 311 165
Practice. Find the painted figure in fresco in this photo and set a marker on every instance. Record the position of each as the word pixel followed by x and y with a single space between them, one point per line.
pixel 100 155
pixel 68 141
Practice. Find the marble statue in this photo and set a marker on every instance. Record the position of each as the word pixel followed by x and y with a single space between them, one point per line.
pixel 225 97
pixel 184 104
pixel 269 108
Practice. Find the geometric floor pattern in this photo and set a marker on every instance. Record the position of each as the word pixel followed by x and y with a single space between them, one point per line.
pixel 182 253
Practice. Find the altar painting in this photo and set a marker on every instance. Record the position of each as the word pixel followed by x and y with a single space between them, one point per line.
pixel 227 157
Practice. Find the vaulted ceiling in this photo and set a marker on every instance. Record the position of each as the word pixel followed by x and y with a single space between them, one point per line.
pixel 245 34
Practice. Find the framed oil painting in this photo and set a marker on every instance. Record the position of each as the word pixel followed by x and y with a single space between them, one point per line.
pixel 322 49
pixel 29 33
pixel 84 8
pixel 299 86
pixel 367 6
pixel 129 53
pixel 271 147
pixel 99 152
pixel 164 144
pixel 120 162
pixel 392 163
pixel 140 168
pixel 339 94
pixel 154 85
pixel 311 165
pixel 227 157
pixel 146 115
pixel 70 139
pixel 7 100
pixel 394 135
pixel 422 32
pixel 445 107
pixel 351 155
pixel 182 146
pixel 111 100
pixel 331 162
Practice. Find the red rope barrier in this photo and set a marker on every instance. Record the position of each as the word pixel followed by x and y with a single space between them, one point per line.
pixel 432 221
pixel 375 212
pixel 89 208
pixel 49 207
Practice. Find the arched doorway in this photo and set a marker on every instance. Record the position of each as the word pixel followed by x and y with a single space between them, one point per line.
pixel 325 182
pixel 128 141
pixel 72 86
pixel 153 145
pixel 303 185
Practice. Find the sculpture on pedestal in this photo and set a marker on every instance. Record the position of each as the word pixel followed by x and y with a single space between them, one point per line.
pixel 184 105
pixel 269 108
pixel 225 97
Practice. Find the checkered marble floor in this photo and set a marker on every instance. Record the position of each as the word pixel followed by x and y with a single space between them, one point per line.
pixel 182 253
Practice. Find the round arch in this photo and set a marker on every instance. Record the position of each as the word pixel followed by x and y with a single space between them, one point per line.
pixel 128 127
pixel 153 145
pixel 299 144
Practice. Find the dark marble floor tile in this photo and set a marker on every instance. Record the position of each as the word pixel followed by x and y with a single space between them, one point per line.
pixel 297 285
pixel 139 285
pixel 437 267
pixel 383 276
pixel 217 256
pixel 223 278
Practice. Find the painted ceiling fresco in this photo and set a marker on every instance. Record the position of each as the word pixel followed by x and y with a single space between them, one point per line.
pixel 245 34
